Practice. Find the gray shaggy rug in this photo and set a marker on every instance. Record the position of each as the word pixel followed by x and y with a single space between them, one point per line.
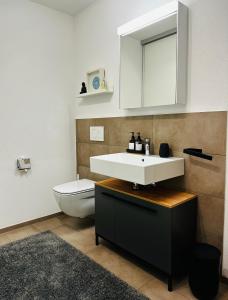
pixel 44 266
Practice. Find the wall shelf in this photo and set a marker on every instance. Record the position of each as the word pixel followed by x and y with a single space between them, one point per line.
pixel 98 93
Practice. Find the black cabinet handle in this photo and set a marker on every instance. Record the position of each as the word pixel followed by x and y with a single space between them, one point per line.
pixel 135 204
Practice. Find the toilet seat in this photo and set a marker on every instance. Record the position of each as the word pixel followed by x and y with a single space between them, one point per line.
pixel 75 187
pixel 76 198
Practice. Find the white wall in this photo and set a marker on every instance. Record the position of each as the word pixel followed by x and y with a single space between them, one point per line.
pixel 36 96
pixel 98 46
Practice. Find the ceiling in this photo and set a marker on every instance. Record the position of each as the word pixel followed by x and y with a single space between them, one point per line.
pixel 71 7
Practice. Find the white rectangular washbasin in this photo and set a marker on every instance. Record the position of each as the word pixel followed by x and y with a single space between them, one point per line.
pixel 137 168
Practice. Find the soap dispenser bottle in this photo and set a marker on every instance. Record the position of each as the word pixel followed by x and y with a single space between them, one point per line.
pixel 147 147
pixel 138 142
pixel 131 145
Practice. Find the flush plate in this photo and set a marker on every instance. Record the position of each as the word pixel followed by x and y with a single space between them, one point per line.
pixel 97 133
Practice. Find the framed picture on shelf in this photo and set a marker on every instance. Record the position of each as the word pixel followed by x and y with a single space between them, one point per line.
pixel 96 80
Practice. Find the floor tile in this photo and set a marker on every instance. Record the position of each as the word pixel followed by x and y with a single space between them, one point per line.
pixel 157 290
pixel 4 239
pixel 223 292
pixel 65 232
pixel 83 239
pixel 77 223
pixel 20 233
pixel 48 224
pixel 84 248
pixel 80 233
pixel 184 289
pixel 120 266
pixel 131 273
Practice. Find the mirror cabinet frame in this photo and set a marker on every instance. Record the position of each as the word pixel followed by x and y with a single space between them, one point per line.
pixel 172 17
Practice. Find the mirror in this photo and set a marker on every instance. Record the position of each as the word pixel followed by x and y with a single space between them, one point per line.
pixel 153 58
pixel 159 72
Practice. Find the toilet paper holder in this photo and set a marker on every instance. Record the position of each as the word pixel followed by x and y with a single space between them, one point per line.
pixel 23 164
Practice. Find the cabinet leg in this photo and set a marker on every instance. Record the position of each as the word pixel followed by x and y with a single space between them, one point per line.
pixel 170 284
pixel 97 239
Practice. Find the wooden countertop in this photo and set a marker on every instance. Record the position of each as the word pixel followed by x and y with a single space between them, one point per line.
pixel 161 196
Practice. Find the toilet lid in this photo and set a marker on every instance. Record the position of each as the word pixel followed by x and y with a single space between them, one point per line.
pixel 75 187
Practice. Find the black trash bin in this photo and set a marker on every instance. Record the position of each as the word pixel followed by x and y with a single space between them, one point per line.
pixel 205 271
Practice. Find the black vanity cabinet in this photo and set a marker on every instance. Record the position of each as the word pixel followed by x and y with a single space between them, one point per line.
pixel 160 235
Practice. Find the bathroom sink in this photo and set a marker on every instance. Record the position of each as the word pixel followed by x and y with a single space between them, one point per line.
pixel 137 168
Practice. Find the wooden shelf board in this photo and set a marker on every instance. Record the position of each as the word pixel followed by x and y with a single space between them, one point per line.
pixel 161 196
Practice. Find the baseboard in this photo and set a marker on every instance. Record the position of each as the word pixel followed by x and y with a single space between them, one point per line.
pixel 6 229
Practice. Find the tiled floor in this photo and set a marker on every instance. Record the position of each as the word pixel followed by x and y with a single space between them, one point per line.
pixel 80 234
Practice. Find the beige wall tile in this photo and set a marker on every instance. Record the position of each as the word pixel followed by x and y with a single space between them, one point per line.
pixel 98 149
pixel 82 130
pixel 117 149
pixel 84 172
pixel 201 176
pixel 210 220
pixel 207 131
pixel 120 128
pixel 83 154
pixel 116 125
pixel 204 176
pixel 195 130
pixel 169 129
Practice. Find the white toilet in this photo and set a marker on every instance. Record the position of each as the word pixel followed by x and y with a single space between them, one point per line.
pixel 76 198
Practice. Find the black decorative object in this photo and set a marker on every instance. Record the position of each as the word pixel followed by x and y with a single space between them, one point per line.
pixel 164 150
pixel 197 152
pixel 83 89
pixel 204 272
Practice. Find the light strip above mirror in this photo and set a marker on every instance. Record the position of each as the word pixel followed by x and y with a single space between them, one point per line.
pixel 150 18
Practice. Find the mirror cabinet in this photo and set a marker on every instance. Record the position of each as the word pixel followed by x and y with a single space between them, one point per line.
pixel 153 58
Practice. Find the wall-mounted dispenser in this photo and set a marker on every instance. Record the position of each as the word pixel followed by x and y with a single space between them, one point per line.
pixel 23 164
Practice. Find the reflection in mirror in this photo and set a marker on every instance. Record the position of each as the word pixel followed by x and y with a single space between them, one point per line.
pixel 159 71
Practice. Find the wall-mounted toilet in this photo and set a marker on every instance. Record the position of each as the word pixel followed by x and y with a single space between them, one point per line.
pixel 76 198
